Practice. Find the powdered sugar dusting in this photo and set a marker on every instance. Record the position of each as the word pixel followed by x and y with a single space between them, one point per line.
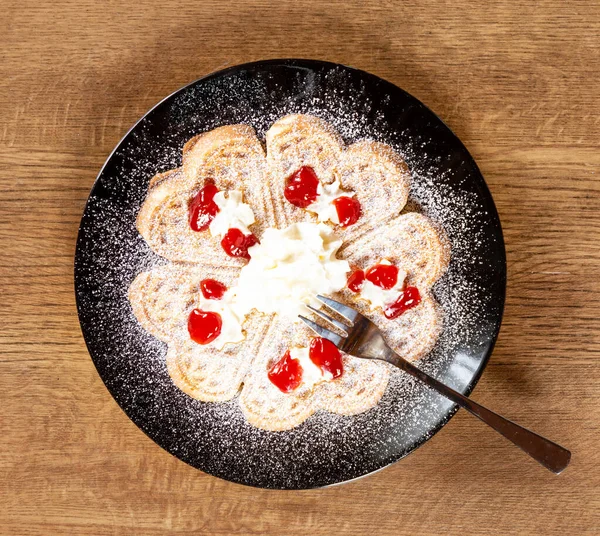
pixel 327 448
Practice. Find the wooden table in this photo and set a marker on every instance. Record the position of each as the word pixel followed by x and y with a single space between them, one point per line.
pixel 518 83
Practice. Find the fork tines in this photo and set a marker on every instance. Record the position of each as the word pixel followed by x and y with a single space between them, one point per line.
pixel 344 311
pixel 347 312
pixel 323 332
pixel 340 325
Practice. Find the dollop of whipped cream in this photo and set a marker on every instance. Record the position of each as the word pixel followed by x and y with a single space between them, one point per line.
pixel 233 213
pixel 231 327
pixel 323 206
pixel 288 268
pixel 311 373
pixel 379 297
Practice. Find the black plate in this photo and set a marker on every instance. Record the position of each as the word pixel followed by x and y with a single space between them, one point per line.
pixel 326 449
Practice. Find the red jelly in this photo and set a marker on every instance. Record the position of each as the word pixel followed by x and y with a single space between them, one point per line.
pixel 326 356
pixel 204 326
pixel 212 289
pixel 203 209
pixel 384 276
pixel 356 280
pixel 236 244
pixel 286 374
pixel 301 187
pixel 348 210
pixel 407 300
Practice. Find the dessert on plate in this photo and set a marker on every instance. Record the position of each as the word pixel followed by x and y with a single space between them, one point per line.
pixel 252 233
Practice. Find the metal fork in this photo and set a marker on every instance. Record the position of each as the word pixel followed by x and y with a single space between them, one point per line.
pixel 363 339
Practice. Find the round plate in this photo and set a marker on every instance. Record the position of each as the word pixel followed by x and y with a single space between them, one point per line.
pixel 326 449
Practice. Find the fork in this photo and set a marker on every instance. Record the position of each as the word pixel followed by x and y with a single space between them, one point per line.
pixel 363 339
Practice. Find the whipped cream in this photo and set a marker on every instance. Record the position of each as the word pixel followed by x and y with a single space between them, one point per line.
pixel 311 373
pixel 288 268
pixel 323 206
pixel 233 213
pixel 231 328
pixel 379 297
pixel 286 271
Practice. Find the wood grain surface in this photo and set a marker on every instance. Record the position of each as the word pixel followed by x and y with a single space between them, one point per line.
pixel 518 83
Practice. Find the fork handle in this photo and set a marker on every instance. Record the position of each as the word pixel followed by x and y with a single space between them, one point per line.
pixel 549 454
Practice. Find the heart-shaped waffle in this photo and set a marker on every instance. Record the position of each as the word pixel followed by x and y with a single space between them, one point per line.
pixel 265 406
pixel 232 157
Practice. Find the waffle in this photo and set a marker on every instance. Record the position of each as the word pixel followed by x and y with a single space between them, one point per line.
pixel 376 174
pixel 211 375
pixel 410 241
pixel 420 249
pixel 265 406
pixel 163 298
pixel 233 158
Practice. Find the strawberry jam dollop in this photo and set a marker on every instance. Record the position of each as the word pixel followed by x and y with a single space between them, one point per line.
pixel 203 209
pixel 204 326
pixel 286 374
pixel 384 276
pixel 212 289
pixel 236 244
pixel 301 187
pixel 409 298
pixel 348 210
pixel 356 280
pixel 326 356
